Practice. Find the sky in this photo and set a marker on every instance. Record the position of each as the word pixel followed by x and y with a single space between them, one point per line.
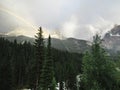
pixel 61 18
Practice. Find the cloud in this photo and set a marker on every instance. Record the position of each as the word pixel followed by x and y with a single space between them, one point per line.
pixel 69 27
pixel 70 18
pixel 21 31
pixel 25 31
pixel 74 28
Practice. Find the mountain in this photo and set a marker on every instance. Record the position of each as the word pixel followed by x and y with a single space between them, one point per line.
pixel 19 39
pixel 69 44
pixel 111 40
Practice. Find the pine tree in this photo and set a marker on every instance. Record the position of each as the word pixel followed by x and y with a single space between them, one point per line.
pixel 50 64
pixel 53 87
pixel 39 48
pixel 47 72
pixel 97 69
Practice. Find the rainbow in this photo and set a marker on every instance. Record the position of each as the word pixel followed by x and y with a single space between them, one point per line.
pixel 17 16
pixel 45 33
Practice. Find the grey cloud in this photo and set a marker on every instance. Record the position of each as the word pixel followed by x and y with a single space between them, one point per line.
pixel 73 18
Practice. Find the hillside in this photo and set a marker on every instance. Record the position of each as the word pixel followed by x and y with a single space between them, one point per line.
pixel 69 44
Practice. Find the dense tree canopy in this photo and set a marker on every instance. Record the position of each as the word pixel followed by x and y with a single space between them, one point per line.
pixel 18 65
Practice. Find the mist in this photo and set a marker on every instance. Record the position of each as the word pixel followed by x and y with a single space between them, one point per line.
pixel 71 18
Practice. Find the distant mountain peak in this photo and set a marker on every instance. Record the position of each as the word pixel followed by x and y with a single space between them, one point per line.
pixel 112 39
pixel 114 32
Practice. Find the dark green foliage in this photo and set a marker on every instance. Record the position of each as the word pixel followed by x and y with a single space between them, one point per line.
pixel 47 75
pixel 67 66
pixel 98 71
pixel 19 62
pixel 53 84
pixel 5 66
pixel 14 64
pixel 49 65
pixel 18 66
pixel 40 56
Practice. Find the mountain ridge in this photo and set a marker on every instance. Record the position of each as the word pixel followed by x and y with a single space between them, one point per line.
pixel 68 44
pixel 111 42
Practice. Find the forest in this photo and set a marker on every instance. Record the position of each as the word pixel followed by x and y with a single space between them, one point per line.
pixel 41 67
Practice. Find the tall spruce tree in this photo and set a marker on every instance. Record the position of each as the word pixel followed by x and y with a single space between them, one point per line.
pixel 47 77
pixel 40 55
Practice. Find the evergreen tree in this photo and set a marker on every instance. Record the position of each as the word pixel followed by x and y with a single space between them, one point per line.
pixel 47 76
pixel 71 76
pixel 98 71
pixel 39 48
pixel 5 65
pixel 18 66
pixel 50 65
pixel 53 87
